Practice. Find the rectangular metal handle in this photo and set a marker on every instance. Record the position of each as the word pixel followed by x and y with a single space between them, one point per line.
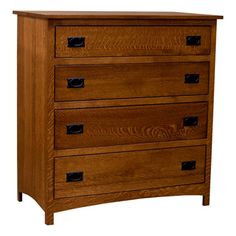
pixel 76 42
pixel 193 40
pixel 75 83
pixel 191 78
pixel 74 176
pixel 75 129
pixel 188 165
pixel 190 121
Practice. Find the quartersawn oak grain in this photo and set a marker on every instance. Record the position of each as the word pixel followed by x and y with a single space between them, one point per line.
pixel 31 108
pixel 131 40
pixel 34 106
pixel 130 80
pixel 129 125
pixel 127 171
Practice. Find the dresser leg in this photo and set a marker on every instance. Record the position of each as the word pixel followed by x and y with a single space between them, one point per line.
pixel 19 196
pixel 49 218
pixel 206 200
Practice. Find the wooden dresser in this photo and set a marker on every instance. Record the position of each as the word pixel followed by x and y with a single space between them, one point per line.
pixel 114 106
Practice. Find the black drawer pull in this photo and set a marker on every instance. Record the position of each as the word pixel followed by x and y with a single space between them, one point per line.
pixel 190 121
pixel 75 129
pixel 193 40
pixel 76 42
pixel 192 78
pixel 75 83
pixel 74 176
pixel 188 165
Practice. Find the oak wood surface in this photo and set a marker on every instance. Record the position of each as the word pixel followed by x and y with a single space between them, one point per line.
pixel 31 107
pixel 133 22
pixel 127 125
pixel 131 40
pixel 129 60
pixel 115 15
pixel 206 196
pixel 129 102
pixel 49 164
pixel 129 147
pixel 128 171
pixel 62 204
pixel 130 80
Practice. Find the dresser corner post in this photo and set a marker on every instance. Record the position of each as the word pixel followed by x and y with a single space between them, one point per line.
pixel 20 107
pixel 206 195
pixel 49 218
pixel 19 196
pixel 206 200
pixel 49 93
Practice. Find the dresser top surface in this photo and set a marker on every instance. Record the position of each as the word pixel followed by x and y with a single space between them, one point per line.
pixel 115 15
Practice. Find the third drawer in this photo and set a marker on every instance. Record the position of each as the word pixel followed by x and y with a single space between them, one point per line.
pixel 112 81
pixel 93 127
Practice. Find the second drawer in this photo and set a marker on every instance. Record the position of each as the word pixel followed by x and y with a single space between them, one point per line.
pixel 88 82
pixel 93 127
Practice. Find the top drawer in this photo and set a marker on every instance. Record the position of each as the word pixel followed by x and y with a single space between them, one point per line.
pixel 94 41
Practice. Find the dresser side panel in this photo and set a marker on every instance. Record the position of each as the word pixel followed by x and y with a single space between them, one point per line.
pixel 32 107
pixel 206 196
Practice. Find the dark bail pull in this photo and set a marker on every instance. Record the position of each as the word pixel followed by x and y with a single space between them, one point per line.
pixel 193 40
pixel 76 42
pixel 74 176
pixel 190 121
pixel 188 165
pixel 75 83
pixel 75 129
pixel 192 78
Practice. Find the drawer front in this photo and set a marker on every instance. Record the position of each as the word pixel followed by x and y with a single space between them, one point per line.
pixel 88 82
pixel 106 173
pixel 75 128
pixel 93 41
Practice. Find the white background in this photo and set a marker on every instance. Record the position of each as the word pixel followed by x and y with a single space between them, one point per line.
pixel 155 216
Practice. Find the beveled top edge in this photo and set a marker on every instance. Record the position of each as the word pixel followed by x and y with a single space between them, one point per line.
pixel 115 15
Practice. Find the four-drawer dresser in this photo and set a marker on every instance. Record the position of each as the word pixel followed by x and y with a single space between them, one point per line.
pixel 113 106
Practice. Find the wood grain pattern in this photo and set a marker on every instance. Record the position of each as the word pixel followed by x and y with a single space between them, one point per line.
pixel 128 171
pixel 127 125
pixel 114 15
pixel 128 60
pixel 129 147
pixel 132 40
pixel 35 163
pixel 130 80
pixel 206 196
pixel 31 107
pixel 49 164
pixel 137 22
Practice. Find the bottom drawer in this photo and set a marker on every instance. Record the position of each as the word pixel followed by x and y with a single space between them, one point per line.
pixel 125 171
